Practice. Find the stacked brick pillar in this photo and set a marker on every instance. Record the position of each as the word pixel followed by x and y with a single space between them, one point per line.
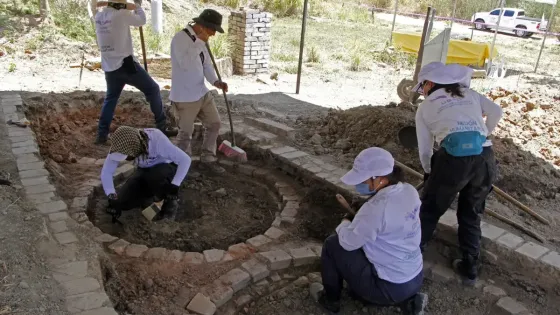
pixel 249 34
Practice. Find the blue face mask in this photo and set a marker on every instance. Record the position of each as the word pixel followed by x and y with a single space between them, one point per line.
pixel 363 189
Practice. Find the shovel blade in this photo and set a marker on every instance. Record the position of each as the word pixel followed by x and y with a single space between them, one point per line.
pixel 407 137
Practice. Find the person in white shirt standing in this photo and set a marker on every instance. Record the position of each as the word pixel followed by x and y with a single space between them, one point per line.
pixel 112 26
pixel 452 115
pixel 161 168
pixel 377 252
pixel 191 99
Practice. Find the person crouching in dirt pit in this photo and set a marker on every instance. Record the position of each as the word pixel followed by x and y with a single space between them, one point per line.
pixel 452 115
pixel 191 99
pixel 377 251
pixel 161 167
pixel 112 26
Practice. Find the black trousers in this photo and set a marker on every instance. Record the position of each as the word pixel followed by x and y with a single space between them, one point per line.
pixel 145 184
pixel 472 177
pixel 338 264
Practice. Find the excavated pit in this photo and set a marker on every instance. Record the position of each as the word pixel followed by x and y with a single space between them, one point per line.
pixel 215 211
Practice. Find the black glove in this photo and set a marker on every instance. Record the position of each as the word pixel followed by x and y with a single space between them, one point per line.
pixel 426 176
pixel 171 191
pixel 114 210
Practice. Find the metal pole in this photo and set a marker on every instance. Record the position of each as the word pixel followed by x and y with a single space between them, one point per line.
pixel 454 10
pixel 413 95
pixel 429 32
pixel 495 35
pixel 548 27
pixel 394 20
pixel 301 44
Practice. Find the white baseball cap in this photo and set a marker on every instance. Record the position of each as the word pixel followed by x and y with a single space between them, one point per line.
pixel 370 163
pixel 439 73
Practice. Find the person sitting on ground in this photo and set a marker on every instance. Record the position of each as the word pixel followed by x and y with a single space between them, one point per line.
pixel 453 115
pixel 191 99
pixel 161 167
pixel 377 251
pixel 112 26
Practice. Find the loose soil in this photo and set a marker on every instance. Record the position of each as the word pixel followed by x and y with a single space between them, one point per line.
pixel 146 288
pixel 215 211
pixel 66 124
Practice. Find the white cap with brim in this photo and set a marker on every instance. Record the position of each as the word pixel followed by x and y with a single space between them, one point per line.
pixel 370 163
pixel 439 73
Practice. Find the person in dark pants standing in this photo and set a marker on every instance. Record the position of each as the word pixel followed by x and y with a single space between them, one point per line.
pixel 161 167
pixel 112 26
pixel 376 251
pixel 453 116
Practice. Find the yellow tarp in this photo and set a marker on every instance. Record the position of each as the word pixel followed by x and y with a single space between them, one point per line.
pixel 460 51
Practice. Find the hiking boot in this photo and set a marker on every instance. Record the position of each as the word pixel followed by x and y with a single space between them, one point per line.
pixel 211 162
pixel 168 210
pixel 318 294
pixel 415 305
pixel 467 269
pixel 101 140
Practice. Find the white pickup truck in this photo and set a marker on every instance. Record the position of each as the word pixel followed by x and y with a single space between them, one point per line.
pixel 513 20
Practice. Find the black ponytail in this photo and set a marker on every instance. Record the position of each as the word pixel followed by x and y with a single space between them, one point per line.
pixel 453 89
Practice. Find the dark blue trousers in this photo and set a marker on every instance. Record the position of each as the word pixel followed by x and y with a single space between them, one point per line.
pixel 338 264
pixel 116 80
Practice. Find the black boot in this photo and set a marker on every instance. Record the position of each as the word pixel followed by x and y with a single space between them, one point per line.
pixel 415 305
pixel 467 268
pixel 168 210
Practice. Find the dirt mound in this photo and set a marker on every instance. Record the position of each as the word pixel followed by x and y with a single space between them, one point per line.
pixel 344 133
pixel 216 211
pixel 532 120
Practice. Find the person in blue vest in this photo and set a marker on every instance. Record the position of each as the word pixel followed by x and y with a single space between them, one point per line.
pixel 452 115
pixel 377 250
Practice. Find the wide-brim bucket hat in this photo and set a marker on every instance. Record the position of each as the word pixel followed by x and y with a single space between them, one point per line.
pixel 211 19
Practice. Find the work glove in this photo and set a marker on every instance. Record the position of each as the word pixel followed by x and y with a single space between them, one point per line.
pixel 114 210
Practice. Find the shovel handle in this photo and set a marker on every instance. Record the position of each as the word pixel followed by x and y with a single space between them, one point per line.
pixel 345 204
pixel 143 45
pixel 223 92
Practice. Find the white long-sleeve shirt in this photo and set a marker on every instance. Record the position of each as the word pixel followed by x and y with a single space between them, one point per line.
pixel 160 150
pixel 112 27
pixel 387 227
pixel 190 64
pixel 440 114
